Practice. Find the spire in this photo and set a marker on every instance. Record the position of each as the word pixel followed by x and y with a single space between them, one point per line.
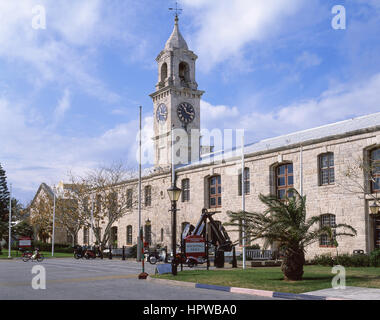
pixel 176 40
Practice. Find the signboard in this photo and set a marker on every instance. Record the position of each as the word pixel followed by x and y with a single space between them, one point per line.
pixel 25 242
pixel 163 268
pixel 195 246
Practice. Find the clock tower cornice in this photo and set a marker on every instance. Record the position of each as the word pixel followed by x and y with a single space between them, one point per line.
pixel 177 90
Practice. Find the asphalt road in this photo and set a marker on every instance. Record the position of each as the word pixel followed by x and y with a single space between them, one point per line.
pixel 70 279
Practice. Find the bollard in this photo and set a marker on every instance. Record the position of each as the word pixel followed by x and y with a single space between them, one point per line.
pixel 123 257
pixel 234 261
pixel 110 253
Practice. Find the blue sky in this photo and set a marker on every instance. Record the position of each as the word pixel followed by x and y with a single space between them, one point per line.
pixel 69 94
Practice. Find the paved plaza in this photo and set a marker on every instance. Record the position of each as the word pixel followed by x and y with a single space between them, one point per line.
pixel 70 279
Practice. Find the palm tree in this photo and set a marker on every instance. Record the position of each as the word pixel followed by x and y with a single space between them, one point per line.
pixel 284 223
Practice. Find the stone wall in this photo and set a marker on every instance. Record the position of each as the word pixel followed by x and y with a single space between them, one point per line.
pixel 349 208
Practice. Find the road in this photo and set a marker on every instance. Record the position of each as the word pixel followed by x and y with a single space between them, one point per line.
pixel 70 279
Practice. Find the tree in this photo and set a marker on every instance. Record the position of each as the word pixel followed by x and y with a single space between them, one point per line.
pixel 103 191
pixel 41 217
pixel 4 203
pixel 284 223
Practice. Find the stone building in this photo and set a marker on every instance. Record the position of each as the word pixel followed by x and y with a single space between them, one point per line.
pixel 313 161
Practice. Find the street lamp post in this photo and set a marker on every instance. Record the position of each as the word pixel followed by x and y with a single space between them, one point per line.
pixel 174 194
pixel 374 211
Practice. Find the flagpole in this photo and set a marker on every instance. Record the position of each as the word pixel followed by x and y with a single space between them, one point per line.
pixel 139 244
pixel 243 197
pixel 53 235
pixel 10 222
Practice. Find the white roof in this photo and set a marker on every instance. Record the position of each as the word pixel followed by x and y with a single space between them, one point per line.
pixel 298 138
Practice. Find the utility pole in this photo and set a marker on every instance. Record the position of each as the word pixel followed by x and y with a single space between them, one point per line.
pixel 10 222
pixel 53 235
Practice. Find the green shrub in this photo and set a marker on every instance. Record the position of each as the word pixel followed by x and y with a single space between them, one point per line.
pixel 375 258
pixel 323 260
pixel 133 252
pixel 360 260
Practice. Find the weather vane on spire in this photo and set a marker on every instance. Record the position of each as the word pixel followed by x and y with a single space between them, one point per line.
pixel 177 10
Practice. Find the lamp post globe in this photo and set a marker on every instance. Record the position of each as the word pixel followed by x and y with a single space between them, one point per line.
pixel 374 208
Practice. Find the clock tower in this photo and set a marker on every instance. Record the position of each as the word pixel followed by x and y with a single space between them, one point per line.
pixel 176 102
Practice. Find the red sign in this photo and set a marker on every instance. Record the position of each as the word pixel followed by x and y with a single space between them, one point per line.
pixel 195 246
pixel 25 242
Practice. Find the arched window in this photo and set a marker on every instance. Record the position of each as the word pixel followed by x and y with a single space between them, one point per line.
pixel 148 232
pixel 284 180
pixel 326 169
pixel 113 238
pixel 164 71
pixel 215 192
pixel 246 182
pixel 184 73
pixel 375 170
pixel 185 190
pixel 148 196
pixel 85 235
pixel 129 198
pixel 129 235
pixel 329 221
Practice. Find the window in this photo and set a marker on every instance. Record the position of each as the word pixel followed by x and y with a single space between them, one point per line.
pixel 148 196
pixel 375 170
pixel 185 190
pixel 326 169
pixel 85 235
pixel 113 238
pixel 246 182
pixel 129 235
pixel 113 201
pixel 98 203
pixel 329 221
pixel 377 234
pixel 98 233
pixel 215 192
pixel 129 198
pixel 284 180
pixel 164 71
pixel 148 232
pixel 162 234
pixel 184 73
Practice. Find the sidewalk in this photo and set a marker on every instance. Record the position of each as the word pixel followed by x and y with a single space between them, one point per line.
pixel 350 293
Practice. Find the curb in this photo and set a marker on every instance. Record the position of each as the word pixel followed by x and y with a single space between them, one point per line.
pixel 253 292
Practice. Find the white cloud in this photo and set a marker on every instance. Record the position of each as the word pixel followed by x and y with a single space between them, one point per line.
pixel 226 27
pixel 308 59
pixel 63 106
pixel 342 102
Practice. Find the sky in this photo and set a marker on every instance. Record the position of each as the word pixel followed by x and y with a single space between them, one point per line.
pixel 71 84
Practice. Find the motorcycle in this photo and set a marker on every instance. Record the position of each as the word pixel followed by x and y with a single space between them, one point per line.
pixel 36 256
pixel 79 252
pixel 155 256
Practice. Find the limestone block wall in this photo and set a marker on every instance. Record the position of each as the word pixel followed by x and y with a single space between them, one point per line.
pixel 348 207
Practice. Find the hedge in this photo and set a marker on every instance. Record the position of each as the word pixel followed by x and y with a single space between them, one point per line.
pixel 347 260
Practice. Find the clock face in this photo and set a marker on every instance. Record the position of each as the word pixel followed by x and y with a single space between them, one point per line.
pixel 186 112
pixel 162 113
